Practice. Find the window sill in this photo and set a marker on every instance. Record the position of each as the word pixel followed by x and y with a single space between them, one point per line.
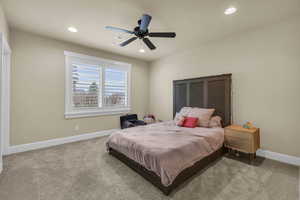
pixel 95 113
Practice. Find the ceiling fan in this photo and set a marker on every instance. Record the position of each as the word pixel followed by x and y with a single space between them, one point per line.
pixel 142 32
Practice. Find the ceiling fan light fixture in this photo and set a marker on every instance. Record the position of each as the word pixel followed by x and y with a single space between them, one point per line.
pixel 230 10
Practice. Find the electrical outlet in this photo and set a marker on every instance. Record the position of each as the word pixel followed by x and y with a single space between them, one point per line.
pixel 76 128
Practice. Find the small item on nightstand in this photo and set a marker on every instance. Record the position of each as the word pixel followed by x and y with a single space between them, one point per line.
pixel 248 125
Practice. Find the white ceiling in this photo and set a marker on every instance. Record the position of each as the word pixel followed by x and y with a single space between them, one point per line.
pixel 194 21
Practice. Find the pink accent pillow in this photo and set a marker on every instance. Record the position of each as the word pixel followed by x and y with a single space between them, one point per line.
pixel 190 122
pixel 179 119
pixel 203 115
pixel 215 122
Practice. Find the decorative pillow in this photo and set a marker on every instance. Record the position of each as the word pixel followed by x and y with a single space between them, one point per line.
pixel 179 119
pixel 190 122
pixel 203 115
pixel 215 122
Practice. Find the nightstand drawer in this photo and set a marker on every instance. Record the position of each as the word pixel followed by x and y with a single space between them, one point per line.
pixel 237 134
pixel 242 144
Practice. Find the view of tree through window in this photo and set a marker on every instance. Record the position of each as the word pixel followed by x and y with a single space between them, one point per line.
pixel 86 80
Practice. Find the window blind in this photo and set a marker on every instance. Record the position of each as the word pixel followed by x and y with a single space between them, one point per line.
pixel 85 85
pixel 96 86
pixel 115 87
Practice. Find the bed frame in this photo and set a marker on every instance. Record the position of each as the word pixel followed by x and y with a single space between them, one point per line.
pixel 204 92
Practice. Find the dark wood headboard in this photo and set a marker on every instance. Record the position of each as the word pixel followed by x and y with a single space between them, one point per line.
pixel 204 92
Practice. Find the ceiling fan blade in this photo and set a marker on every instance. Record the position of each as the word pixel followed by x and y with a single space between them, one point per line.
pixel 128 41
pixel 149 43
pixel 163 34
pixel 145 21
pixel 118 29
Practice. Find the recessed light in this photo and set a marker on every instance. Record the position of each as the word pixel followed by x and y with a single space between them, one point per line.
pixel 230 11
pixel 72 29
pixel 142 50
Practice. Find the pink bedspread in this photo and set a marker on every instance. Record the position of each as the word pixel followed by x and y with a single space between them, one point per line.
pixel 165 148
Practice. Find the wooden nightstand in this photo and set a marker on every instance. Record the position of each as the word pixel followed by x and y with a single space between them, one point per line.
pixel 242 139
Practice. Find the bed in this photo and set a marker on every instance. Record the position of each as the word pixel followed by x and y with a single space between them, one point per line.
pixel 167 155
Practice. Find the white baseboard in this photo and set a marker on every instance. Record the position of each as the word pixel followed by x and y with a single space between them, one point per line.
pixel 292 160
pixel 299 183
pixel 55 142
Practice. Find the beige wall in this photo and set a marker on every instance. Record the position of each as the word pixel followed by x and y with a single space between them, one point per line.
pixel 3 24
pixel 265 64
pixel 38 84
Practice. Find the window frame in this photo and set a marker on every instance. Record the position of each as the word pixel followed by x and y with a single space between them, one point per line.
pixel 70 111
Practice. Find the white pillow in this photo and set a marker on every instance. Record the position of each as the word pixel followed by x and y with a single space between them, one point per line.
pixel 179 119
pixel 215 122
pixel 185 111
pixel 203 115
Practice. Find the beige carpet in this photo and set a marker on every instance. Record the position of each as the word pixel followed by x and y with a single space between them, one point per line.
pixel 84 170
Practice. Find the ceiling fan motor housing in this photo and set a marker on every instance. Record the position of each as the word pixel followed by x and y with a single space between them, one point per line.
pixel 139 33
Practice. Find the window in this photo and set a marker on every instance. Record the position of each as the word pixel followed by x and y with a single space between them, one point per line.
pixel 96 86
